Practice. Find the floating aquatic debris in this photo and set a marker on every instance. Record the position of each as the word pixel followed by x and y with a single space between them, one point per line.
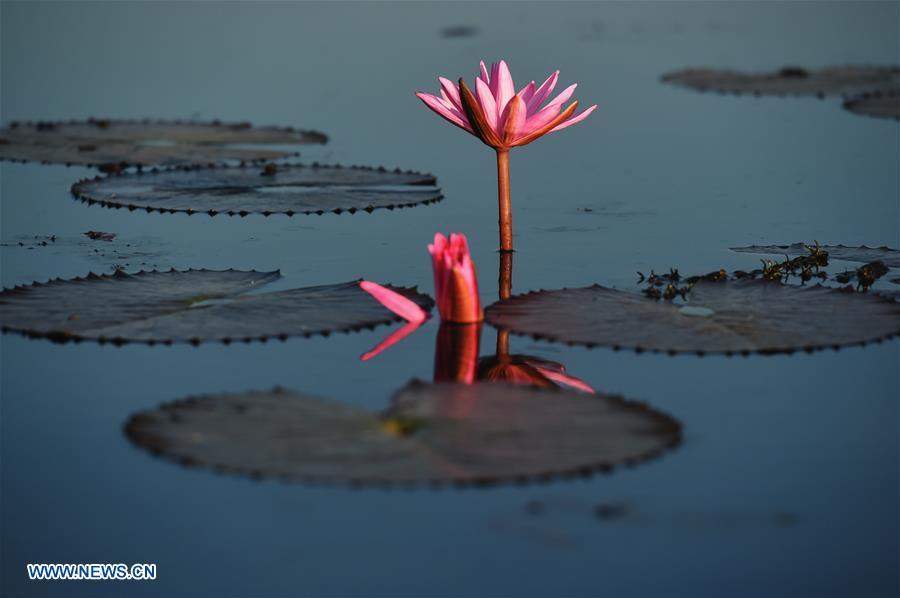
pixel 738 316
pixel 863 254
pixel 805 267
pixel 671 285
pixel 879 104
pixel 115 253
pixel 96 235
pixel 191 306
pixel 864 276
pixel 790 80
pixel 432 434
pixel 32 241
pixel 277 189
pixel 113 145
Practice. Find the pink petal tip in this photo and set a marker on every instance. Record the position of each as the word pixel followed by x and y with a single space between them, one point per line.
pixel 404 307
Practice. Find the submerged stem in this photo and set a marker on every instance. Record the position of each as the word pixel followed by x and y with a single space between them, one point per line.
pixel 504 200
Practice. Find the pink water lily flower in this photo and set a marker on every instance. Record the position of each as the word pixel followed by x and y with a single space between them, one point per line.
pixel 499 116
pixel 455 283
pixel 503 119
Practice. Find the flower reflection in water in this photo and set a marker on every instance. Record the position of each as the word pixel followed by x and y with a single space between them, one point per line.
pixel 456 360
pixel 456 353
pixel 394 338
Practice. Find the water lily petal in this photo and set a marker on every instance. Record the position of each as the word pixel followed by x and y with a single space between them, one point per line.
pixel 494 83
pixel 533 134
pixel 563 97
pixel 506 88
pixel 513 121
pixel 456 286
pixel 542 93
pixel 438 250
pixel 405 308
pixel 448 104
pixel 476 116
pixel 451 91
pixel 549 112
pixel 488 105
pixel 536 121
pixel 575 119
pixel 441 109
pixel 527 92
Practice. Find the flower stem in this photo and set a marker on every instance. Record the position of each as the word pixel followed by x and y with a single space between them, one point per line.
pixel 503 197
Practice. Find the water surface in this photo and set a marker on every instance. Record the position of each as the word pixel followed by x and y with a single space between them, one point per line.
pixel 787 481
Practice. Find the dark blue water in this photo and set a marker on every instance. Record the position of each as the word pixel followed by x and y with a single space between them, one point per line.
pixel 788 479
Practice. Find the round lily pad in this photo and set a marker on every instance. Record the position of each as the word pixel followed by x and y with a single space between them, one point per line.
pixel 795 81
pixel 117 144
pixel 273 189
pixel 188 306
pixel 890 257
pixel 432 434
pixel 740 316
pixel 880 104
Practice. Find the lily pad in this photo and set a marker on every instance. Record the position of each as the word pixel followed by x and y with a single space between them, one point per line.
pixel 117 144
pixel 187 306
pixel 789 80
pixel 880 104
pixel 432 434
pixel 241 190
pixel 890 257
pixel 742 316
